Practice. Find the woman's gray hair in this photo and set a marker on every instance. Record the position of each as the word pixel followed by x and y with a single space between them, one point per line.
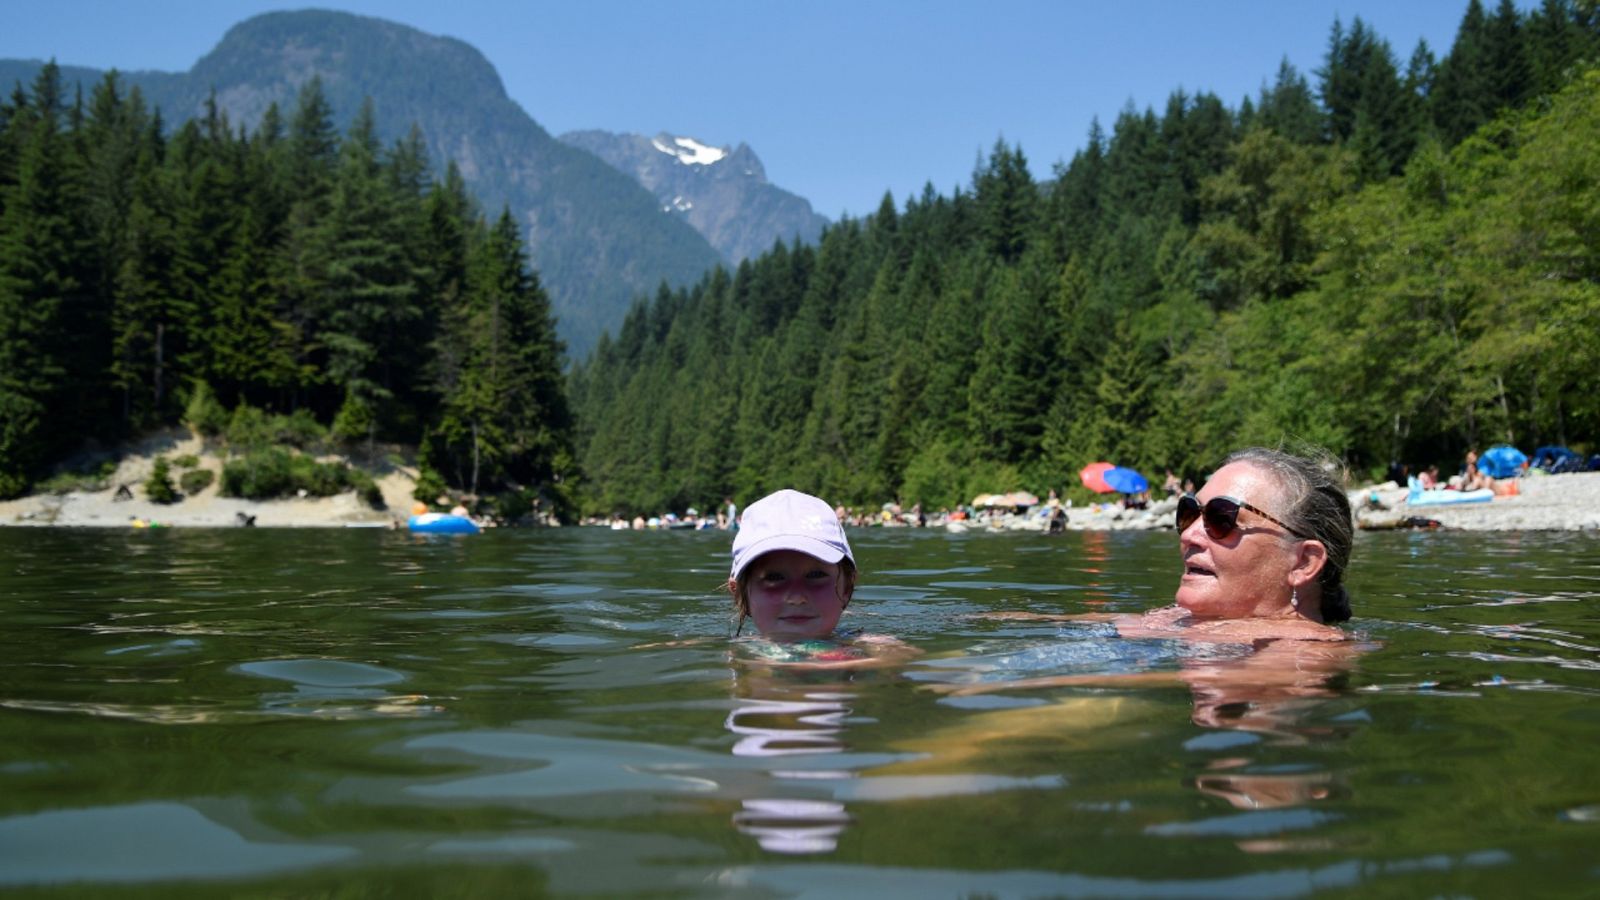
pixel 1318 506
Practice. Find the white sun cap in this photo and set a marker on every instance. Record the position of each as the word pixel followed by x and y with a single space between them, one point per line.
pixel 789 520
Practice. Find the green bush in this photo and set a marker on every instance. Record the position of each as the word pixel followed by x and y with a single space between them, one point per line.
pixel 186 461
pixel 196 480
pixel 248 428
pixel 353 423
pixel 204 413
pixel 299 428
pixel 258 475
pixel 158 488
pixel 86 480
pixel 366 488
pixel 430 485
pixel 277 472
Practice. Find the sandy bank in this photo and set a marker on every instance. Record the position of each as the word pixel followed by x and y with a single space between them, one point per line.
pixel 206 509
pixel 1568 502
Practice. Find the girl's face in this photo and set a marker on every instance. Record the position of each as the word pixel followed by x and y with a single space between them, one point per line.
pixel 794 596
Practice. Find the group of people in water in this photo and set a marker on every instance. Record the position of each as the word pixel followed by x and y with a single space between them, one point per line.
pixel 1264 546
pixel 1253 630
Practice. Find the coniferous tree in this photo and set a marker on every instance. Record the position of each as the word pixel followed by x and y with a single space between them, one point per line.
pixel 1073 210
pixel 144 307
pixel 1007 202
pixel 37 249
pixel 505 420
pixel 1511 75
pixel 1463 97
pixel 306 255
pixel 1289 108
pixel 371 294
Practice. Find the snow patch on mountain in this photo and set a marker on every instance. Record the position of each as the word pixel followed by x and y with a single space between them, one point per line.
pixel 689 151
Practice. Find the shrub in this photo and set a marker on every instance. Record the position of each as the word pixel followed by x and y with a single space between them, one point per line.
pixel 204 413
pixel 158 488
pixel 248 428
pixel 87 480
pixel 366 488
pixel 258 475
pixel 353 422
pixel 186 461
pixel 196 480
pixel 299 429
pixel 277 472
pixel 430 484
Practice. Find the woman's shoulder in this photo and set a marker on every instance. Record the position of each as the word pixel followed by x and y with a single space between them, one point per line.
pixel 1175 621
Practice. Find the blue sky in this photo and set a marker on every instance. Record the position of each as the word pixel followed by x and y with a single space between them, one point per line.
pixel 841 99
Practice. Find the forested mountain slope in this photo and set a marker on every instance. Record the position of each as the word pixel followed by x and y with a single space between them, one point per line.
pixel 1399 263
pixel 598 239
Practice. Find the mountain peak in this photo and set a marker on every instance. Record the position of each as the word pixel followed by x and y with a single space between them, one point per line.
pixel 722 192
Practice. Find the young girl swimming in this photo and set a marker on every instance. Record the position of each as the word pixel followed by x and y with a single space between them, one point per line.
pixel 794 575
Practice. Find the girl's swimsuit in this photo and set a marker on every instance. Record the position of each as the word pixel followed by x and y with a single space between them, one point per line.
pixel 838 649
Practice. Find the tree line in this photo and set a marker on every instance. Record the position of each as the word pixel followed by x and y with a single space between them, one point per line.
pixel 287 268
pixel 1399 263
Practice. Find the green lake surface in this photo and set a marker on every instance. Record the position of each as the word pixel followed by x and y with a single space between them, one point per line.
pixel 255 713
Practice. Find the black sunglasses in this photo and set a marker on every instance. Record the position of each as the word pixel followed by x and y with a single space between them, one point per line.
pixel 1222 516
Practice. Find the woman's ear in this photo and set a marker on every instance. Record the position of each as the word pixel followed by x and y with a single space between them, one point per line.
pixel 733 587
pixel 1310 557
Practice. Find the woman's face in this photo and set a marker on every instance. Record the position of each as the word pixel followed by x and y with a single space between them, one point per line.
pixel 1246 573
pixel 795 596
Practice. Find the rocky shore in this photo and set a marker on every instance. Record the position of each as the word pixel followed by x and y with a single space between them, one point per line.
pixel 1543 503
pixel 1568 502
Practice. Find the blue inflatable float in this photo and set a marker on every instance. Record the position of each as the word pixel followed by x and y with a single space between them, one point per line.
pixel 1419 497
pixel 441 523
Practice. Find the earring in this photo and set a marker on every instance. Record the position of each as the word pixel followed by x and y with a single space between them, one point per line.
pixel 1294 598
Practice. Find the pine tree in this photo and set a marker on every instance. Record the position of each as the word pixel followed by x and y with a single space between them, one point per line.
pixel 371 293
pixel 37 249
pixel 1008 202
pixel 1289 108
pixel 505 419
pixel 1463 97
pixel 307 251
pixel 144 304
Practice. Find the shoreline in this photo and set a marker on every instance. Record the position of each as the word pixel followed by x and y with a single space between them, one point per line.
pixel 1568 502
pixel 205 509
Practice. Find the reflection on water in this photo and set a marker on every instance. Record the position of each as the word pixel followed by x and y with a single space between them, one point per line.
pixel 770 727
pixel 558 713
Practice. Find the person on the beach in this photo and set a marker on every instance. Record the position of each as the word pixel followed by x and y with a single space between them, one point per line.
pixel 794 575
pixel 1474 478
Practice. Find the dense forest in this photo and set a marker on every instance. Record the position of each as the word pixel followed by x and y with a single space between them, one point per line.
pixel 148 279
pixel 1398 264
pixel 596 236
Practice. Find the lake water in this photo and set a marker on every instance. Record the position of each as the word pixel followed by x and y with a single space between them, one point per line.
pixel 357 712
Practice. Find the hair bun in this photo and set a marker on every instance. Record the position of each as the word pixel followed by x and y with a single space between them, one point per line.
pixel 1335 603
